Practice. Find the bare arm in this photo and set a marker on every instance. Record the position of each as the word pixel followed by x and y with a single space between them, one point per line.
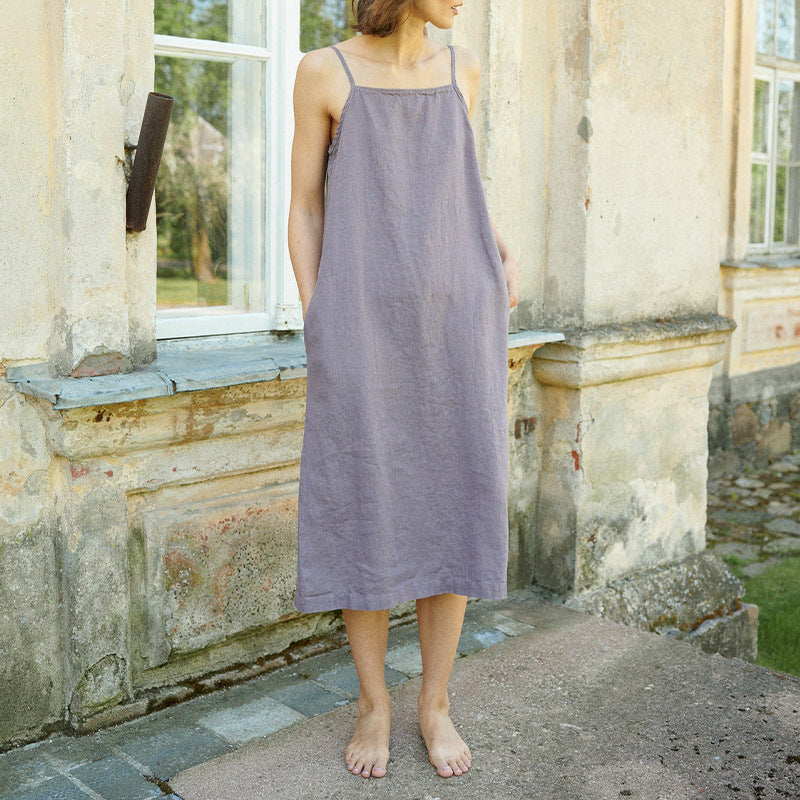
pixel 308 164
pixel 472 69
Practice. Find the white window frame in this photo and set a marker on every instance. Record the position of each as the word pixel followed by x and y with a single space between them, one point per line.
pixel 770 77
pixel 281 57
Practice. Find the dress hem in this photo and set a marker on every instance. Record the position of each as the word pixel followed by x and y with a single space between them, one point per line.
pixel 331 602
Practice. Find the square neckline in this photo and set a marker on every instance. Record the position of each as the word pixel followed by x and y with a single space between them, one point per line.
pixel 401 89
pixel 430 90
pixel 426 89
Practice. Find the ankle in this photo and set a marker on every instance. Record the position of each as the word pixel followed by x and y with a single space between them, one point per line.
pixel 374 701
pixel 433 701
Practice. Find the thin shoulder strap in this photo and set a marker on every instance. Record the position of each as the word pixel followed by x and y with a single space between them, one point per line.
pixel 452 64
pixel 344 64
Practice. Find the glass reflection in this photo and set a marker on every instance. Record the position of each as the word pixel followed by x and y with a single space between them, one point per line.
pixel 761 117
pixel 210 185
pixel 758 203
pixel 787 32
pixel 765 27
pixel 237 21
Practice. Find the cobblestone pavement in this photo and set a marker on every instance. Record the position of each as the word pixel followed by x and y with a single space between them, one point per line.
pixel 135 760
pixel 754 513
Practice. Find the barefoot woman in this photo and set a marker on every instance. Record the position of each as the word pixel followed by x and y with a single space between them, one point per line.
pixel 406 288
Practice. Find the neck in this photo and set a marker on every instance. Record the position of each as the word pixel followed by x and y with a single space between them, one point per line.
pixel 406 45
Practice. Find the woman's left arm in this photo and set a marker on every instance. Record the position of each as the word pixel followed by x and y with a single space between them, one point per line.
pixel 509 266
pixel 471 68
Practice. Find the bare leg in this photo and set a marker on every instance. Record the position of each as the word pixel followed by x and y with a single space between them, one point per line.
pixel 368 750
pixel 440 619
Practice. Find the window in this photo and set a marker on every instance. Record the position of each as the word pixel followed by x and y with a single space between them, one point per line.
pixel 775 157
pixel 222 192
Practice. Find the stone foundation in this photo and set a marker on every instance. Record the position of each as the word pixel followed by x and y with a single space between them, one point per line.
pixel 697 599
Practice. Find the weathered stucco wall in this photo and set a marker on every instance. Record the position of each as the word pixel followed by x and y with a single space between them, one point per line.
pixel 73 82
pixel 636 120
pixel 30 217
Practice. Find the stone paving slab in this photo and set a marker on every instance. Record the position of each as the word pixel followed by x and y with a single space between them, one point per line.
pixel 573 707
pixel 58 788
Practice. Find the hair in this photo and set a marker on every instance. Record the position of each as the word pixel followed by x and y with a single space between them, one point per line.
pixel 377 17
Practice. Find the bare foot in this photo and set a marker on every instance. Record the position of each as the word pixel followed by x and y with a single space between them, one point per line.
pixel 368 751
pixel 447 751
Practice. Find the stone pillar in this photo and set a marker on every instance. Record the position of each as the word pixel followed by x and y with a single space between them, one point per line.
pixel 101 77
pixel 630 269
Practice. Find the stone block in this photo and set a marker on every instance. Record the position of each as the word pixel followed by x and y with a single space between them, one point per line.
pixel 308 697
pixel 260 717
pixel 31 682
pixel 739 549
pixel 163 749
pixel 674 600
pixel 212 568
pixel 783 525
pixel 23 769
pixel 475 637
pixel 405 658
pixel 744 425
pixel 787 546
pixel 58 788
pixel 776 439
pixel 115 777
pixel 734 635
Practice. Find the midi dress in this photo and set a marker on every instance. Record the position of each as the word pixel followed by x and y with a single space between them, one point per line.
pixel 403 489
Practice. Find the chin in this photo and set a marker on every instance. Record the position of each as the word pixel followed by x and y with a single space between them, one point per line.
pixel 444 23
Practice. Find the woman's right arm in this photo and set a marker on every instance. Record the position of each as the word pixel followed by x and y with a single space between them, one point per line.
pixel 308 165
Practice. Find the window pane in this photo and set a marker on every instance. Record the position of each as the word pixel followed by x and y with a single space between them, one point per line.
pixel 761 117
pixel 758 203
pixel 788 121
pixel 787 29
pixel 239 21
pixel 787 205
pixel 323 22
pixel 211 185
pixel 765 27
pixel 780 205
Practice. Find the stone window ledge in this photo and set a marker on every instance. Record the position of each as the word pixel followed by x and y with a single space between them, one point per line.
pixel 777 261
pixel 184 365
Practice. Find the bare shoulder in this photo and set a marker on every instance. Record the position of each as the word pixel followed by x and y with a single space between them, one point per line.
pixel 317 83
pixel 315 66
pixel 468 68
pixel 467 61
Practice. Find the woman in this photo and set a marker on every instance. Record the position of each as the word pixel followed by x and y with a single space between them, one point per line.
pixel 406 288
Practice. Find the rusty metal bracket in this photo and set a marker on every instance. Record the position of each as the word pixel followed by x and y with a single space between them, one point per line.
pixel 155 122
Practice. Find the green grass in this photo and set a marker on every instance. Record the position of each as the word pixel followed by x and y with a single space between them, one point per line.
pixel 188 291
pixel 776 592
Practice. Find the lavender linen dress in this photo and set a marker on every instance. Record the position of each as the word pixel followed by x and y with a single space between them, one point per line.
pixel 404 464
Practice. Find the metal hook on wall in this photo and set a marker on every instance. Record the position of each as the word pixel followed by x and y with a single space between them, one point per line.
pixel 152 136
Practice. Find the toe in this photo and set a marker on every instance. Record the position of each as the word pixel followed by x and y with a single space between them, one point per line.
pixel 453 764
pixel 445 770
pixel 379 767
